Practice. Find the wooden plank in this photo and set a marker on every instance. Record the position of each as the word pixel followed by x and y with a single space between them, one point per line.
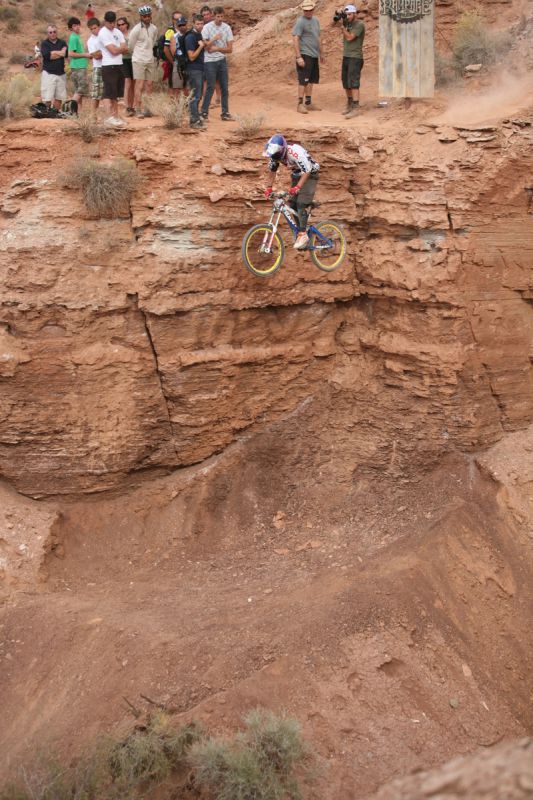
pixel 406 48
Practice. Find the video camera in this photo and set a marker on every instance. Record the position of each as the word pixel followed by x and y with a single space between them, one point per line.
pixel 341 14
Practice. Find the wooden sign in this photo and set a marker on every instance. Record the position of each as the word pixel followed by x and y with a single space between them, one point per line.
pixel 406 48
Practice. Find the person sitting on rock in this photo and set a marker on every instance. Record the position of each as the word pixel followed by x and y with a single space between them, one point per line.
pixel 304 179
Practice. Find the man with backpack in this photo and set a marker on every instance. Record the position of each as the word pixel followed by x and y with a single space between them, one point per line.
pixel 141 43
pixel 195 49
pixel 178 76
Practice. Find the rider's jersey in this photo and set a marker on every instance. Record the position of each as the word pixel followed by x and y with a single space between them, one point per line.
pixel 297 159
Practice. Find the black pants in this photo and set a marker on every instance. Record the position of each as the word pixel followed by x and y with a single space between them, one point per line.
pixel 301 201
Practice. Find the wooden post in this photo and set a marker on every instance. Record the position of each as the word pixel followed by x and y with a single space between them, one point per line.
pixel 406 48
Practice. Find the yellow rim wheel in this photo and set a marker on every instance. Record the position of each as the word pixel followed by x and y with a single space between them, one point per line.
pixel 258 261
pixel 331 257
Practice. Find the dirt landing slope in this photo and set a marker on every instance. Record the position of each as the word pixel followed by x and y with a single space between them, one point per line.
pixel 399 639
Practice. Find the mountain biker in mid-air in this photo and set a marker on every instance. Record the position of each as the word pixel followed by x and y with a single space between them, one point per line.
pixel 304 179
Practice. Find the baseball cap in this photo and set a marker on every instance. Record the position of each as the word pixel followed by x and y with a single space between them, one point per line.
pixel 180 21
pixel 350 9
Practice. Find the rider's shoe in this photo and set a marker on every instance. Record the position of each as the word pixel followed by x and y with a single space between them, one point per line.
pixel 302 240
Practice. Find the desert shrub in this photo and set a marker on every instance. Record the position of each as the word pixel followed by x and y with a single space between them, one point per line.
pixel 9 14
pixel 12 26
pixel 257 765
pixel 249 124
pixel 113 770
pixel 444 70
pixel 44 10
pixel 151 754
pixel 475 43
pixel 16 96
pixel 88 128
pixel 162 16
pixel 107 188
pixel 18 58
pixel 172 110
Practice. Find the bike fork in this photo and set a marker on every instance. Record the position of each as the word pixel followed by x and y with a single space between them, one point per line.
pixel 268 238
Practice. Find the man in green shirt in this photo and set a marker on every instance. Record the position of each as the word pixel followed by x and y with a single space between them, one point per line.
pixel 353 32
pixel 78 61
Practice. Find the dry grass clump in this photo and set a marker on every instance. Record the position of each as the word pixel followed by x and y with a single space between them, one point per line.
pixel 475 43
pixel 16 97
pixel 10 14
pixel 257 765
pixel 18 58
pixel 249 124
pixel 107 188
pixel 88 128
pixel 445 74
pixel 172 110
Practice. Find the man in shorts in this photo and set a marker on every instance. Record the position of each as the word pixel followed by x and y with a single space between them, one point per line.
pixel 353 32
pixel 78 61
pixel 53 76
pixel 306 39
pixel 141 43
pixel 97 86
pixel 112 45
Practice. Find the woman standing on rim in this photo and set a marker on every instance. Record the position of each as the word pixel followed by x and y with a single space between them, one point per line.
pixel 124 26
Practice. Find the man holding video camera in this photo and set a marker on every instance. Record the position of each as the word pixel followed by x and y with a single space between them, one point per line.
pixel 353 32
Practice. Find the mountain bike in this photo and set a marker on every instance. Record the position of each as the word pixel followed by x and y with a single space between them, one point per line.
pixel 263 250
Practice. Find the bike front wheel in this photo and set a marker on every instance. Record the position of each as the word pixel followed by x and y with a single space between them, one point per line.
pixel 329 248
pixel 262 252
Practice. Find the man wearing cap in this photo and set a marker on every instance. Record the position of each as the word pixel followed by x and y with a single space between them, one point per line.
pixel 353 32
pixel 141 43
pixel 306 38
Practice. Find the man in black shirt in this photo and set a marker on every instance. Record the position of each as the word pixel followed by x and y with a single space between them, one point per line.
pixel 53 77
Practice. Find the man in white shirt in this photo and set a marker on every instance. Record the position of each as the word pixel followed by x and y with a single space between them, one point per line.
pixel 219 43
pixel 112 44
pixel 93 47
pixel 141 42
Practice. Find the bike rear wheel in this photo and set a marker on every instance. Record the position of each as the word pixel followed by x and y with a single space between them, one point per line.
pixel 256 259
pixel 328 257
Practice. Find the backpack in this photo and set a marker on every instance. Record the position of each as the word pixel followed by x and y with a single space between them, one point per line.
pixel 181 53
pixel 159 48
pixel 42 111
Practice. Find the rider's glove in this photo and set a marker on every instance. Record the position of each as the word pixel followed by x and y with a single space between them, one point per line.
pixel 268 192
pixel 294 190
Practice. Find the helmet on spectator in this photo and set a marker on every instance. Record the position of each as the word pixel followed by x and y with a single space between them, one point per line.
pixel 145 10
pixel 276 147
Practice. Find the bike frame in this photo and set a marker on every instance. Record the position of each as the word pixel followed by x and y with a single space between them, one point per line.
pixel 281 208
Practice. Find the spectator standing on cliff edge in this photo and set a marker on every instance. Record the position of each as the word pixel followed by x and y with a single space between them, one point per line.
pixel 141 43
pixel 306 39
pixel 353 32
pixel 53 77
pixel 218 41
pixel 79 56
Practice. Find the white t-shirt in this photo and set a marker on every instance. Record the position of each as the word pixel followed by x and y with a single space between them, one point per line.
pixel 92 46
pixel 106 37
pixel 209 30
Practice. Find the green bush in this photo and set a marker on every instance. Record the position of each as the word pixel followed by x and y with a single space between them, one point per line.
pixel 258 764
pixel 151 754
pixel 107 188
